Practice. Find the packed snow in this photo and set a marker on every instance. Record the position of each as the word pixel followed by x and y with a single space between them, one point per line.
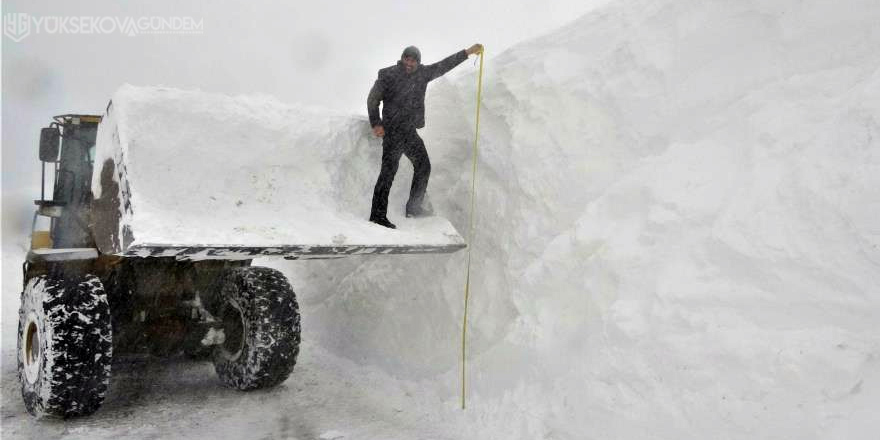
pixel 676 237
pixel 676 231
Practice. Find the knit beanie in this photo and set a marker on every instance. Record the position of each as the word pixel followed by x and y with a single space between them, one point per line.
pixel 413 52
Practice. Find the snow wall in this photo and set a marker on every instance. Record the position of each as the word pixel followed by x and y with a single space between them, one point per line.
pixel 677 231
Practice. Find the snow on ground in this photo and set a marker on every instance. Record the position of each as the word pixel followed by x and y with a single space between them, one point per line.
pixel 182 399
pixel 676 238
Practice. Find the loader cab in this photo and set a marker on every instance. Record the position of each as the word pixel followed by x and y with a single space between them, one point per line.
pixel 67 149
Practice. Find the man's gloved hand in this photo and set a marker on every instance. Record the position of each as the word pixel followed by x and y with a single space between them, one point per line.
pixel 477 48
pixel 379 131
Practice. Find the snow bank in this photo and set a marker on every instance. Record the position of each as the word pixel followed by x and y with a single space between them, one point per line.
pixel 676 231
pixel 187 168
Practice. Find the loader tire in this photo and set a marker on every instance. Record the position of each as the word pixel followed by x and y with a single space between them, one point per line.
pixel 64 346
pixel 261 326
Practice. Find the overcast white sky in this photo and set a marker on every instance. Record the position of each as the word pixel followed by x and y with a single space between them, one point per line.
pixel 319 53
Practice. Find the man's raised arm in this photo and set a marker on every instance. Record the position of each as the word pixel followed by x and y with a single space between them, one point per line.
pixel 440 68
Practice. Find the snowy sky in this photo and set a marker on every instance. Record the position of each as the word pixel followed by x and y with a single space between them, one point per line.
pixel 320 53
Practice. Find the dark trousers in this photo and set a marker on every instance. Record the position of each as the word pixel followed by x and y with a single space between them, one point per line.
pixel 394 144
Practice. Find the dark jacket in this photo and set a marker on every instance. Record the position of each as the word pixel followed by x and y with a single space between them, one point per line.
pixel 403 94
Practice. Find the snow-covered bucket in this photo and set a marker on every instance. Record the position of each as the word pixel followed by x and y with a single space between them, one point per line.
pixel 200 175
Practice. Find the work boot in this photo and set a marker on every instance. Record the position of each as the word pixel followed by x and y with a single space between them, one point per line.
pixel 383 221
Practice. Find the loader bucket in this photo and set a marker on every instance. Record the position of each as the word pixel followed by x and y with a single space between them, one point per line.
pixel 200 176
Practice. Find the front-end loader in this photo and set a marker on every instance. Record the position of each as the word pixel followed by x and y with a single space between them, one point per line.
pixel 102 279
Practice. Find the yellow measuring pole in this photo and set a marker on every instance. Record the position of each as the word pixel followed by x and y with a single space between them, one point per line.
pixel 467 285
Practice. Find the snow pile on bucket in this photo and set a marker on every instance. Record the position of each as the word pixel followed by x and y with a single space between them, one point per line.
pixel 677 232
pixel 188 168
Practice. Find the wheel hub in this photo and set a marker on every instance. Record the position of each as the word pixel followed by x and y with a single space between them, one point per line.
pixel 31 348
pixel 233 329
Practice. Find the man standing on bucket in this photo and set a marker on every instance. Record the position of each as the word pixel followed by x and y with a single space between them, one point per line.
pixel 401 89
